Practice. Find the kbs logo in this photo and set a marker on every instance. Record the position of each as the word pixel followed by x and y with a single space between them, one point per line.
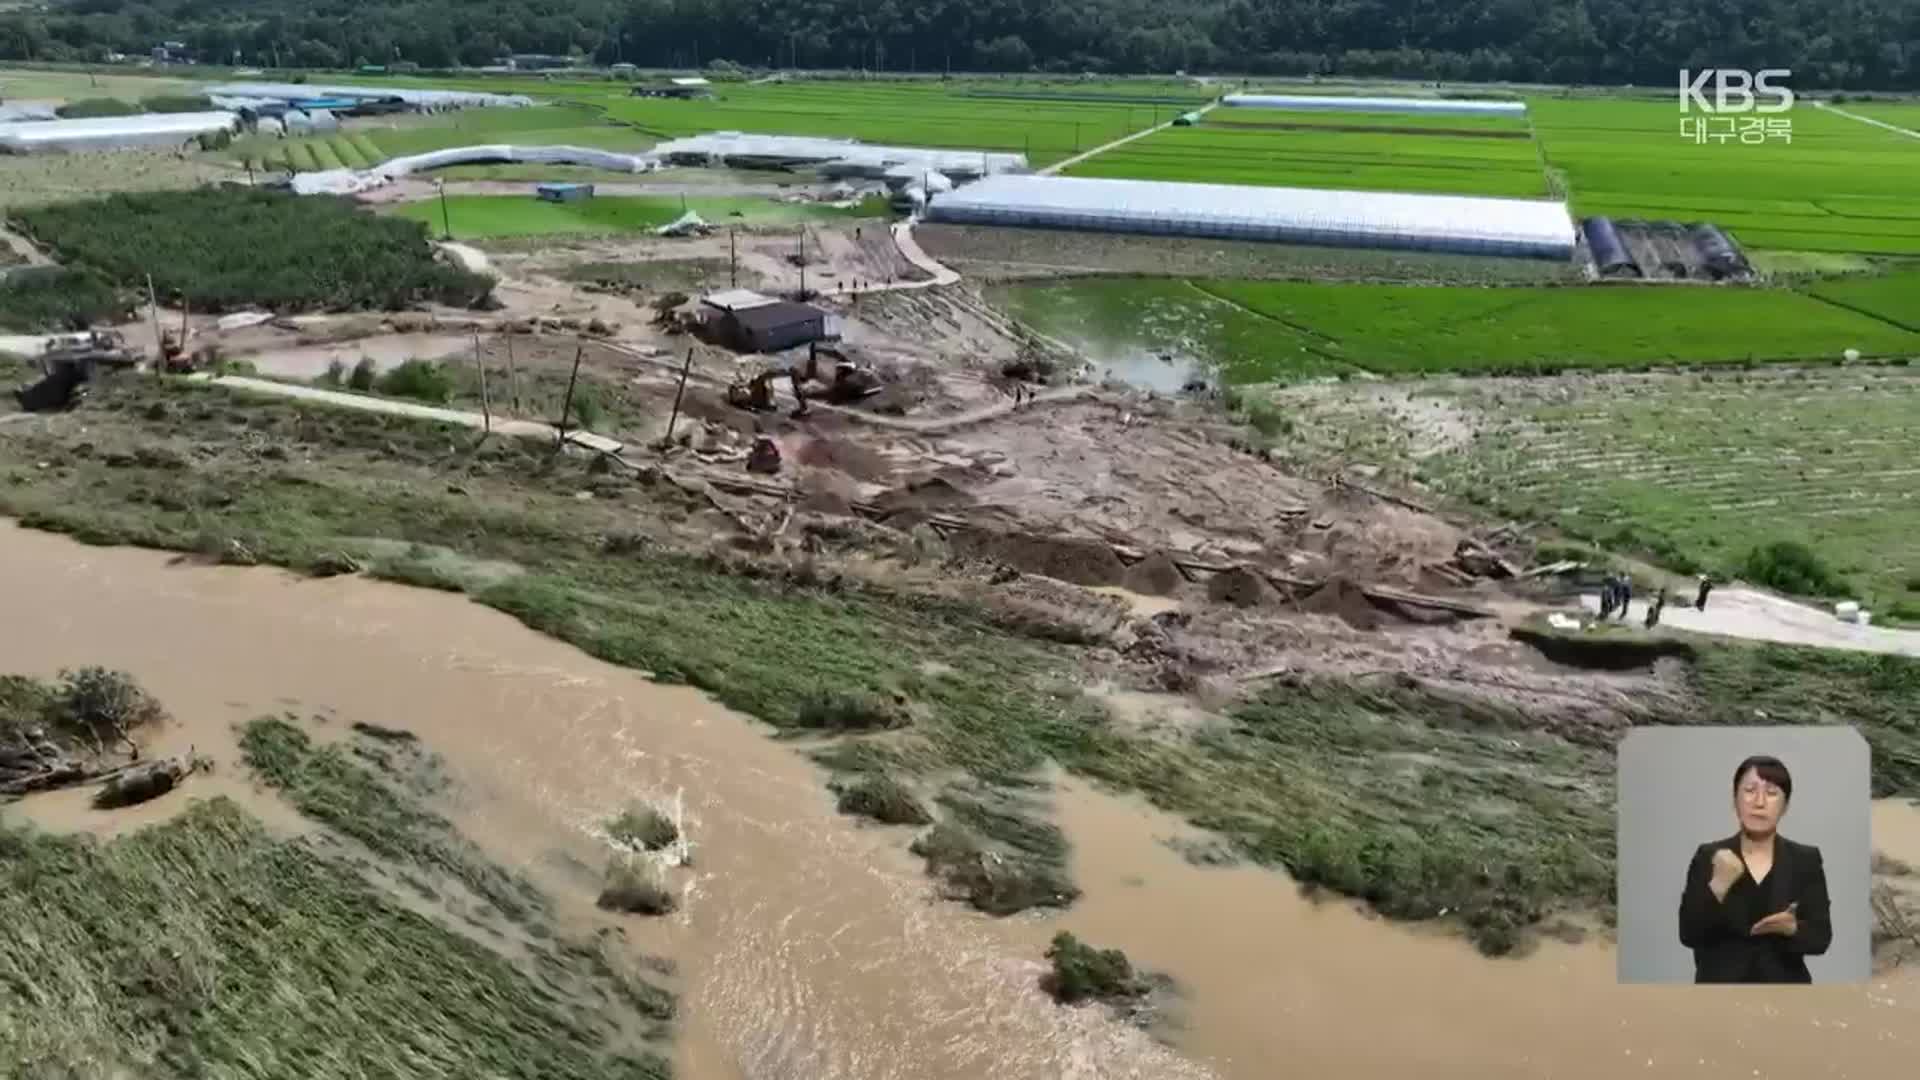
pixel 1714 104
pixel 1734 90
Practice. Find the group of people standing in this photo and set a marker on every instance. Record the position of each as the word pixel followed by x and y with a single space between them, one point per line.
pixel 1616 594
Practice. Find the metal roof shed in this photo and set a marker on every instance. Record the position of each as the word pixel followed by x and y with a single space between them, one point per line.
pixel 112 132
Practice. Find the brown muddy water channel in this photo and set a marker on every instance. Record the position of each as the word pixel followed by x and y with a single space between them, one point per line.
pixel 813 947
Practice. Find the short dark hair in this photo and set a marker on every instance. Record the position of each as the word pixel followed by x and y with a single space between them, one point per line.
pixel 1771 769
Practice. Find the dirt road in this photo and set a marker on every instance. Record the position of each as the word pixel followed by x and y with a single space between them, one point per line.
pixel 1758 616
pixel 531 429
pixel 1059 167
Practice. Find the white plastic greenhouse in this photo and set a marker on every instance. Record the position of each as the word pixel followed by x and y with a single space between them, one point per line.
pixel 112 132
pixel 835 157
pixel 1468 225
pixel 424 100
pixel 1332 103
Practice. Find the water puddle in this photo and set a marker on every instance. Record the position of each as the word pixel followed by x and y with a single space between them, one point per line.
pixel 385 350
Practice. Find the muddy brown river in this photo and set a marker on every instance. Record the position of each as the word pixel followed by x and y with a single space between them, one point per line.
pixel 813 947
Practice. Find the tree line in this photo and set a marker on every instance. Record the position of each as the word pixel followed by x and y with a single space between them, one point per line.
pixel 1869 44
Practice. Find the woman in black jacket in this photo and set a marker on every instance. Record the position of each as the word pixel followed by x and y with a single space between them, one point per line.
pixel 1755 905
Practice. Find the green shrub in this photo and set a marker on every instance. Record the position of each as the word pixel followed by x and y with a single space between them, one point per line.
pixel 92 107
pixel 1266 418
pixel 848 710
pixel 59 299
pixel 883 799
pixel 1084 973
pixel 221 249
pixel 644 828
pixel 422 380
pixel 335 374
pixel 102 707
pixel 176 103
pixel 1792 567
pixel 363 376
pixel 587 411
pixel 636 890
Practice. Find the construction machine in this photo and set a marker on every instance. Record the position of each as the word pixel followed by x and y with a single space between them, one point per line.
pixel 756 394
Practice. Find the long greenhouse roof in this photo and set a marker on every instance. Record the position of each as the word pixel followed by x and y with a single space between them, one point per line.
pixel 1335 103
pixel 1537 227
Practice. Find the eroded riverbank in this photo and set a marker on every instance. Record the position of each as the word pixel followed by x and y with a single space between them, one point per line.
pixel 812 947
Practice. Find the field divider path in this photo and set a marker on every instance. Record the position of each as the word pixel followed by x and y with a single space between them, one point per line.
pixel 1056 168
pixel 540 429
pixel 1895 128
pixel 526 429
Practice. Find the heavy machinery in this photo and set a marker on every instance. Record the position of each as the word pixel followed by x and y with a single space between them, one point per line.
pixel 756 394
pixel 68 364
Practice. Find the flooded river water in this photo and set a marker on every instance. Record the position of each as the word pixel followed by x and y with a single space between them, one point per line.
pixel 811 946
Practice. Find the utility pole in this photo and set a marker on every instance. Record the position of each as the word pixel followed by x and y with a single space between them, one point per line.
pixel 674 417
pixel 566 407
pixel 803 262
pixel 446 221
pixel 733 260
pixel 486 403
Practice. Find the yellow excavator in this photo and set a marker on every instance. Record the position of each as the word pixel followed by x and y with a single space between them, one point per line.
pixel 756 394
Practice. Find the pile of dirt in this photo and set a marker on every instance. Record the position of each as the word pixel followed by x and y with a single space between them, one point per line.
pixel 932 493
pixel 1155 575
pixel 845 456
pixel 1241 587
pixel 1345 601
pixel 1074 560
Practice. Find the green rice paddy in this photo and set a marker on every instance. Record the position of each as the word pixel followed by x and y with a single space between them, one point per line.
pixel 1257 331
pixel 1701 468
pixel 483 216
pixel 1839 185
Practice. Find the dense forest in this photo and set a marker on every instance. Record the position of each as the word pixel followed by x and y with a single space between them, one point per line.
pixel 1827 43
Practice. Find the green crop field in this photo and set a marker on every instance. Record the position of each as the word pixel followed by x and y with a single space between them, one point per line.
pixel 1893 297
pixel 1344 150
pixel 1708 466
pixel 368 145
pixel 477 216
pixel 1257 331
pixel 1839 185
pixel 1903 114
pixel 921 114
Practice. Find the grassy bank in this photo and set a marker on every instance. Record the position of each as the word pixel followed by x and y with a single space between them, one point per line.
pixel 206 946
pixel 1417 802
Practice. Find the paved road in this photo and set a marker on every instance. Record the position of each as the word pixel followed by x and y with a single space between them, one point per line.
pixel 1733 611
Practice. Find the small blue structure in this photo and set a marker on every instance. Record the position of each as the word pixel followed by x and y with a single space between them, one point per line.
pixel 564 192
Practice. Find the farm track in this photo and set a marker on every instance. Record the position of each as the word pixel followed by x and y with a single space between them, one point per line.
pixel 1867 120
pixel 1059 166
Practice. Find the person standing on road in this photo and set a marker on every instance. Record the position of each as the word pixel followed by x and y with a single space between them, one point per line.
pixel 1626 595
pixel 1706 586
pixel 1653 609
pixel 1607 588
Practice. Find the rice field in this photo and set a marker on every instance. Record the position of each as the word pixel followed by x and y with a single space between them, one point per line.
pixel 1707 466
pixel 366 144
pixel 918 114
pixel 1894 298
pixel 491 216
pixel 1258 331
pixel 1453 154
pixel 1839 185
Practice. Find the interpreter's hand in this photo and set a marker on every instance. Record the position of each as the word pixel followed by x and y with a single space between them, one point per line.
pixel 1727 869
pixel 1784 923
